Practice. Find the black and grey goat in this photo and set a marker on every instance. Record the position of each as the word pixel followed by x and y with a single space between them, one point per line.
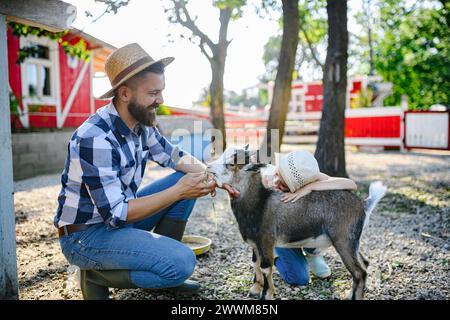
pixel 318 220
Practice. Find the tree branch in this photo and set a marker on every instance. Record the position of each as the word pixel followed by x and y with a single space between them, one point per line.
pixel 225 16
pixel 190 24
pixel 311 48
pixel 202 48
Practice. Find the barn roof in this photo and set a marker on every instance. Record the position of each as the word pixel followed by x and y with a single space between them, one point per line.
pixel 100 49
pixel 95 42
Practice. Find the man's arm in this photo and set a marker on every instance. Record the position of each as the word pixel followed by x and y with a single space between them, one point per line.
pixel 188 163
pixel 168 155
pixel 191 185
pixel 99 167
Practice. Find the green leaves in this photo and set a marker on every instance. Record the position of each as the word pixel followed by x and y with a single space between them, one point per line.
pixel 414 53
pixel 163 110
pixel 79 49
pixel 19 30
pixel 222 4
pixel 234 5
pixel 312 35
pixel 14 104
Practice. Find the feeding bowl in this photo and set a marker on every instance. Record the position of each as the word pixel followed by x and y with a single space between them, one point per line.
pixel 198 244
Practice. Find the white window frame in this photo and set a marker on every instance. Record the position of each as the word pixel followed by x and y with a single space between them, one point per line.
pixel 52 64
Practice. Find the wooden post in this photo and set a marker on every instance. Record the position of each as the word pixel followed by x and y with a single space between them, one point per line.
pixel 8 264
pixel 53 15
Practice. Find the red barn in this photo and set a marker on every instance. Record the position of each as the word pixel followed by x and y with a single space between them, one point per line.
pixel 308 96
pixel 54 89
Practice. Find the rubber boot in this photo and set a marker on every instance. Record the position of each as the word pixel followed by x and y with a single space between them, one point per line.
pixel 95 283
pixel 174 229
pixel 171 228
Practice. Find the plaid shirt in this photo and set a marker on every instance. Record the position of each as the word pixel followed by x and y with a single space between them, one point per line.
pixel 104 168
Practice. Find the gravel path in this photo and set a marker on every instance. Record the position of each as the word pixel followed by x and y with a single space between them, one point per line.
pixel 407 240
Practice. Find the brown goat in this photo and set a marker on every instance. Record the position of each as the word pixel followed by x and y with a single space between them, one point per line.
pixel 318 220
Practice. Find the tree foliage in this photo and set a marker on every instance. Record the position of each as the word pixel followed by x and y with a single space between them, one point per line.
pixel 362 45
pixel 234 5
pixel 414 52
pixel 312 36
pixel 405 42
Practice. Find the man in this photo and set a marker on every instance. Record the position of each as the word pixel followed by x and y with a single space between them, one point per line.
pixel 103 219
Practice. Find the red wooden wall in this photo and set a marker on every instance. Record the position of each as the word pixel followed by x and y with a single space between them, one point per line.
pixel 81 106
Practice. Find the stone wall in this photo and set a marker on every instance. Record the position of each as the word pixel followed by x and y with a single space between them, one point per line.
pixel 39 153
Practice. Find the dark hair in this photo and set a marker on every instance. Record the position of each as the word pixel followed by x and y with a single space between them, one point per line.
pixel 157 68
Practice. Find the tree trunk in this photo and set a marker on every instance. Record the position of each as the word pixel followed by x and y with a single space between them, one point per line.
pixel 371 58
pixel 330 151
pixel 283 80
pixel 217 62
pixel 216 59
pixel 216 92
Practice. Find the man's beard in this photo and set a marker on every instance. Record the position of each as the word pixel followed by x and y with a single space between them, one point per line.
pixel 144 115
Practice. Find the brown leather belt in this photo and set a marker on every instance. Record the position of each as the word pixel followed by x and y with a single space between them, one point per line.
pixel 71 228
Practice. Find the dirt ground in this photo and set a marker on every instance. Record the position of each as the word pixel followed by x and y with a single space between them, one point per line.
pixel 407 240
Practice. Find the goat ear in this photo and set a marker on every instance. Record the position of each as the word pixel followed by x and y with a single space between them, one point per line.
pixel 254 156
pixel 255 167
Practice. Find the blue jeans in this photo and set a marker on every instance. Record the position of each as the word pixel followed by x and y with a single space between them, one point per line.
pixel 154 261
pixel 292 265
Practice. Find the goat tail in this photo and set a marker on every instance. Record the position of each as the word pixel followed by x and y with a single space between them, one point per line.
pixel 376 191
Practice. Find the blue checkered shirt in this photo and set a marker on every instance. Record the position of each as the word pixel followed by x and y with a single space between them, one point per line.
pixel 104 168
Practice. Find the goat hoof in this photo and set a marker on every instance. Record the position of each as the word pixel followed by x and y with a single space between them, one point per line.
pixel 255 290
pixel 267 296
pixel 350 295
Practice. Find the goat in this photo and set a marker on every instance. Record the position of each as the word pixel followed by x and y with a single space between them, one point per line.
pixel 318 220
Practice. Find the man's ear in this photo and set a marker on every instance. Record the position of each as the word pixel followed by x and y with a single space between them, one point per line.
pixel 255 167
pixel 123 93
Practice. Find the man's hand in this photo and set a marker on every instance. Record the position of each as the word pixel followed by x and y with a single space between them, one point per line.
pixel 195 185
pixel 234 193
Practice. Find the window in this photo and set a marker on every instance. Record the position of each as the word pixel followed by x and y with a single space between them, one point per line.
pixel 38 81
pixel 39 71
pixel 40 52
